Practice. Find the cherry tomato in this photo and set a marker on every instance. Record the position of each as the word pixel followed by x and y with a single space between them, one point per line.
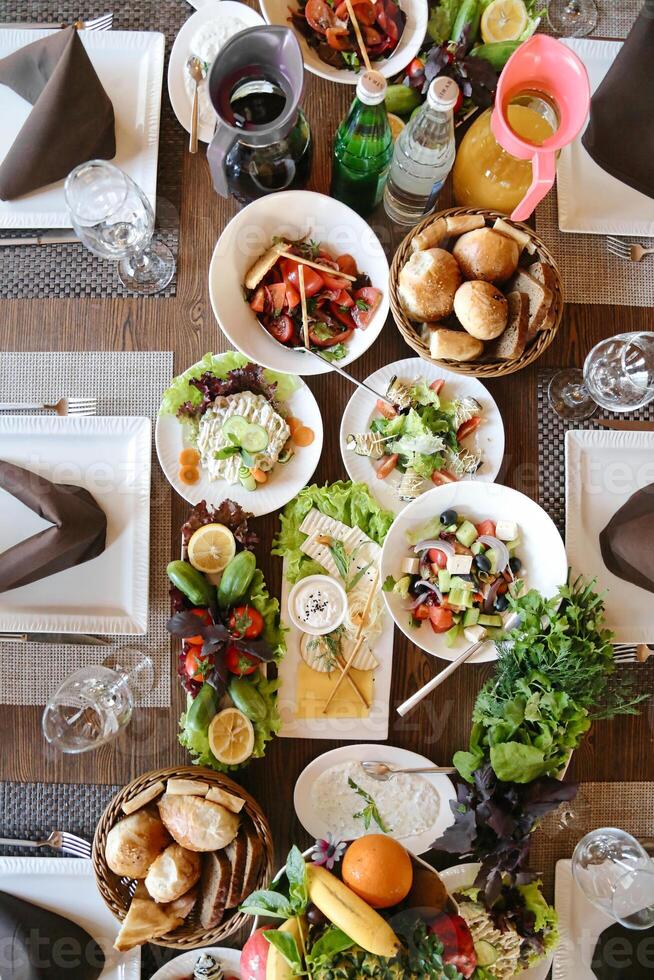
pixel 206 619
pixel 387 466
pixel 246 621
pixel 277 292
pixel 282 328
pixel 334 282
pixel 437 557
pixel 238 662
pixel 468 427
pixel 366 301
pixel 385 409
pixel 371 36
pixel 319 15
pixel 345 299
pixel 422 612
pixel 258 301
pixel 416 68
pixel 441 619
pixel 292 296
pixel 313 282
pixel 342 316
pixel 437 385
pixel 365 13
pixel 439 477
pixel 486 527
pixel 339 337
pixel 338 39
pixel 347 264
pixel 342 12
pixel 195 662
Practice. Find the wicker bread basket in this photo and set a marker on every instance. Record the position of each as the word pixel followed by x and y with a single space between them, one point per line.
pixel 480 368
pixel 117 892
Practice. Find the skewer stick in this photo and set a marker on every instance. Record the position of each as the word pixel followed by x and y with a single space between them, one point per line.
pixel 303 303
pixel 359 641
pixel 359 36
pixel 316 265
pixel 340 663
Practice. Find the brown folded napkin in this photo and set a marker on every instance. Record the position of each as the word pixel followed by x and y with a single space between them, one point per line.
pixel 627 541
pixel 620 133
pixel 72 120
pixel 79 532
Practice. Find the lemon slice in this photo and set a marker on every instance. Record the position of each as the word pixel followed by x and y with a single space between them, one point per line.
pixel 231 737
pixel 396 124
pixel 211 548
pixel 503 20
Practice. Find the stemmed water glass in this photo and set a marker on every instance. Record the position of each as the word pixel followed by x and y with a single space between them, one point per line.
pixel 618 374
pixel 114 219
pixel 616 875
pixel 572 18
pixel 95 703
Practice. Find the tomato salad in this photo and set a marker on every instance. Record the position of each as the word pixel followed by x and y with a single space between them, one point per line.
pixel 328 29
pixel 336 306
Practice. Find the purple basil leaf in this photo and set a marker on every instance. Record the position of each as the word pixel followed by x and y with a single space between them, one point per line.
pixel 228 513
pixel 255 648
pixel 185 624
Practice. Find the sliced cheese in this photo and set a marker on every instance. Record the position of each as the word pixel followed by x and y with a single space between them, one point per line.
pixel 506 530
pixel 228 800
pixel 320 553
pixel 313 690
pixel 459 564
pixel 365 658
pixel 317 523
pixel 186 787
pixel 143 798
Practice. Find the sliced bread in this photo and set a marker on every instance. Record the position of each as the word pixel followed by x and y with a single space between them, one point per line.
pixel 513 341
pixel 237 853
pixel 214 888
pixel 253 862
pixel 540 300
pixel 544 273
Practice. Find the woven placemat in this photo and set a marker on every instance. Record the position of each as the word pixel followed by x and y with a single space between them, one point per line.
pixel 124 383
pixel 551 448
pixel 42 271
pixel 615 18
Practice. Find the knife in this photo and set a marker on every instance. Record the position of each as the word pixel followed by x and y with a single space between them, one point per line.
pixel 626 425
pixel 80 639
pixel 47 238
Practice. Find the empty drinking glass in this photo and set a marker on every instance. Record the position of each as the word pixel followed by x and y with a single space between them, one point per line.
pixel 114 219
pixel 618 374
pixel 616 875
pixel 95 703
pixel 572 18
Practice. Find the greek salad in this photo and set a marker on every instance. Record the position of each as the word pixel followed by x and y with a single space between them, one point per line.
pixel 328 29
pixel 421 436
pixel 460 575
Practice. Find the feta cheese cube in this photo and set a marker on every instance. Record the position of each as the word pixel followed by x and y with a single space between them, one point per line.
pixel 459 564
pixel 474 633
pixel 411 566
pixel 506 530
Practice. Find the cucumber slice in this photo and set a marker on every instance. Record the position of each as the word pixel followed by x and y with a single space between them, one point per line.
pixel 255 438
pixel 246 479
pixel 487 954
pixel 235 426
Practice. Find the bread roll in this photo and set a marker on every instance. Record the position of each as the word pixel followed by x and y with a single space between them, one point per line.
pixel 454 345
pixel 481 309
pixel 173 873
pixel 197 823
pixel 427 284
pixel 134 843
pixel 486 254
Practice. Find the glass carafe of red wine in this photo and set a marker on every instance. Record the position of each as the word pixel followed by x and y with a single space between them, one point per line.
pixel 262 142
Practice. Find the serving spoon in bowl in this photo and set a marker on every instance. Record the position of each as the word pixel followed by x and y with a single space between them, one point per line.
pixel 382 772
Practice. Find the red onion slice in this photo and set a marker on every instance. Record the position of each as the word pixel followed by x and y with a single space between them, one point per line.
pixel 443 546
pixel 500 549
pixel 431 588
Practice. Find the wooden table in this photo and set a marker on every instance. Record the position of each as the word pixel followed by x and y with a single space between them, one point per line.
pixel 618 750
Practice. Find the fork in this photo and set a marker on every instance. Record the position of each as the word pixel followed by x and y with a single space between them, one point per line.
pixel 625 250
pixel 627 653
pixel 65 406
pixel 103 23
pixel 58 839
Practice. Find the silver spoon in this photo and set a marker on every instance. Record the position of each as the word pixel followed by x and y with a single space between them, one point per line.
pixel 196 70
pixel 383 772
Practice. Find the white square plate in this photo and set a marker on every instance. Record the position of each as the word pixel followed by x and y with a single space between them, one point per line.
pixel 591 201
pixel 580 925
pixel 130 66
pixel 110 457
pixel 602 470
pixel 67 886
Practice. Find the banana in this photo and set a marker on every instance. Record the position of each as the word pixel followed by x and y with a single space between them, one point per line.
pixel 351 914
pixel 276 966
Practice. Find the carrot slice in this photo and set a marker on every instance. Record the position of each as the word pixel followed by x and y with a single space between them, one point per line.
pixel 189 474
pixel 189 457
pixel 259 475
pixel 303 436
pixel 293 423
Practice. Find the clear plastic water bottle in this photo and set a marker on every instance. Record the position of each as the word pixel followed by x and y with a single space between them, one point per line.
pixel 423 156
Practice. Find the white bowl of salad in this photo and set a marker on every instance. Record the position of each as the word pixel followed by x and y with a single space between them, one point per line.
pixel 444 427
pixel 454 557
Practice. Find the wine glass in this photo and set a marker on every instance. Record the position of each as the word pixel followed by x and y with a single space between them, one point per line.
pixel 114 219
pixel 572 18
pixel 615 874
pixel 618 374
pixel 568 818
pixel 95 703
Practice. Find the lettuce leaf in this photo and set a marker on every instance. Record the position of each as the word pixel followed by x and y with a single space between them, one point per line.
pixel 180 391
pixel 259 597
pixel 351 503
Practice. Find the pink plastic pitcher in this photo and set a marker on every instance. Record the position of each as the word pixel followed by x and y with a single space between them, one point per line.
pixel 541 66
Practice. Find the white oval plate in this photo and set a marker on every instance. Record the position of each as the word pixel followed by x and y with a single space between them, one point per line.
pixel 361 409
pixel 292 214
pixel 311 820
pixel 180 99
pixel 285 480
pixel 463 876
pixel 413 36
pixel 181 968
pixel 542 552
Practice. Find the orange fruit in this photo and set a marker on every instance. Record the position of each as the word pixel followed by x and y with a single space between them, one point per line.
pixel 378 870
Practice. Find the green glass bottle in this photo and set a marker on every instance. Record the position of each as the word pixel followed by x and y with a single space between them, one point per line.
pixel 363 148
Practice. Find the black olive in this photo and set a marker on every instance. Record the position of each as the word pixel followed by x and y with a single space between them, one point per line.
pixel 515 564
pixel 501 603
pixel 315 916
pixel 482 563
pixel 449 517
